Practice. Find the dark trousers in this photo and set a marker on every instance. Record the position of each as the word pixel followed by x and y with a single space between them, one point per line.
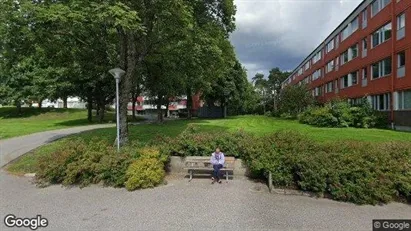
pixel 216 172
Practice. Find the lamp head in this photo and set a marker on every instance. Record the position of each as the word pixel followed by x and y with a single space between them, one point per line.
pixel 117 72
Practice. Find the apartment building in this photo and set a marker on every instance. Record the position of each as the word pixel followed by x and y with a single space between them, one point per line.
pixel 367 55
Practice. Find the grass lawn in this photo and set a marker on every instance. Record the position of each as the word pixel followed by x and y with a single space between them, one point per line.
pixel 259 125
pixel 37 120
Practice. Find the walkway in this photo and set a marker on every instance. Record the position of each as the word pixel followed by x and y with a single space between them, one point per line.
pixel 12 148
pixel 180 205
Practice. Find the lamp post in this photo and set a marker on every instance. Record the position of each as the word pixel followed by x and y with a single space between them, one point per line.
pixel 117 73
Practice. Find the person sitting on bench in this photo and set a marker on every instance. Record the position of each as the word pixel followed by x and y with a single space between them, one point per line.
pixel 217 160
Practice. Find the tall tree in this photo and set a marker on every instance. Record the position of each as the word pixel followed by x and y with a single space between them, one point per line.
pixel 275 78
pixel 261 86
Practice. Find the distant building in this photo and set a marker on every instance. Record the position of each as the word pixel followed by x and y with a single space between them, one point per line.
pixel 72 102
pixel 178 105
pixel 367 55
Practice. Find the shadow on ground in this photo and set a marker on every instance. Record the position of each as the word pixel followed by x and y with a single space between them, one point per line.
pixel 12 113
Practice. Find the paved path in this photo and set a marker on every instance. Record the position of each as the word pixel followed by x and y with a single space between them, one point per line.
pixel 12 148
pixel 180 205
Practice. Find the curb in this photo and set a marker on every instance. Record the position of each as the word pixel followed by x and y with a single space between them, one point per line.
pixel 294 193
pixel 30 175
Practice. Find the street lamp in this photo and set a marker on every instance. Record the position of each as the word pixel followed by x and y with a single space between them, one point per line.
pixel 117 73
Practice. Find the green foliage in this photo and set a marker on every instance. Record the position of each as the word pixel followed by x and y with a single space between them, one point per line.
pixel 350 171
pixel 294 99
pixel 287 116
pixel 340 113
pixel 144 173
pixel 81 163
pixel 194 143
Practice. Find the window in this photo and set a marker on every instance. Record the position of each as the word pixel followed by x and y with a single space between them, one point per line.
pixel 329 87
pixel 330 66
pixel 404 100
pixel 378 5
pixel 401 59
pixel 349 54
pixel 337 41
pixel 344 57
pixel 364 44
pixel 349 29
pixel 349 80
pixel 344 81
pixel 381 102
pixel 318 91
pixel 307 66
pixel 381 68
pixel 354 51
pixel 401 26
pixel 354 25
pixel 354 77
pixel 317 57
pixel 401 65
pixel 364 18
pixel 300 71
pixel 355 101
pixel 330 46
pixel 317 74
pixel 401 21
pixel 364 73
pixel 381 35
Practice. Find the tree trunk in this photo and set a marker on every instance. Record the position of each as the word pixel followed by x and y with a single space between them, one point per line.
pixel 159 111
pixel 89 109
pixel 101 113
pixel 18 106
pixel 129 64
pixel 98 107
pixel 134 100
pixel 65 102
pixel 189 103
pixel 40 103
pixel 167 106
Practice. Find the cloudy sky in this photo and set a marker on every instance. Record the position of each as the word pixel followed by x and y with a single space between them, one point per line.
pixel 282 33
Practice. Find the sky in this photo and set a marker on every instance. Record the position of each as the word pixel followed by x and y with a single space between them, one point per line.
pixel 282 33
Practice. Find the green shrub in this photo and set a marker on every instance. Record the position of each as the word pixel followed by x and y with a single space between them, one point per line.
pixel 144 173
pixel 80 163
pixel 359 172
pixel 338 113
pixel 287 116
pixel 52 168
pixel 192 143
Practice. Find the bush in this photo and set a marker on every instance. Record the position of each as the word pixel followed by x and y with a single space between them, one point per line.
pixel 144 173
pixel 339 113
pixel 192 143
pixel 80 163
pixel 359 172
pixel 287 116
pixel 294 99
pixel 319 116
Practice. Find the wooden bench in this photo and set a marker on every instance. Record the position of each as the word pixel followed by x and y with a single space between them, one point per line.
pixel 202 163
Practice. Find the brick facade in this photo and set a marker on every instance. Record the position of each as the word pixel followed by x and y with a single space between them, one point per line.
pixel 372 87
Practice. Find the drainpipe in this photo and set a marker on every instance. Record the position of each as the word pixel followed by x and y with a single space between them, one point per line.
pixel 393 62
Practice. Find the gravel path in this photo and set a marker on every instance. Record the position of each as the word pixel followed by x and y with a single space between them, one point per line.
pixel 179 205
pixel 12 148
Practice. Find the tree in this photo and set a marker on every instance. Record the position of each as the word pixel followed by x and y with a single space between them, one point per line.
pixel 294 99
pixel 275 79
pixel 261 86
pixel 67 47
pixel 243 98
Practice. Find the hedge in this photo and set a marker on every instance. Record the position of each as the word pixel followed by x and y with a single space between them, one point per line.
pixel 80 163
pixel 352 171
